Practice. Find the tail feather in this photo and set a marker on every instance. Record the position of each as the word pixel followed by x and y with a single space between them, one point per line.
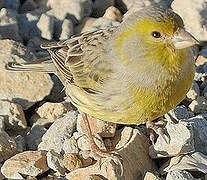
pixel 36 66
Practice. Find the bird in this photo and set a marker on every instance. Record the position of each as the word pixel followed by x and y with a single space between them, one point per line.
pixel 129 74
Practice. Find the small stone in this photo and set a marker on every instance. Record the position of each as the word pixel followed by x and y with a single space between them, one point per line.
pixel 46 26
pixel 70 146
pixel 113 14
pixel 199 105
pixel 180 141
pixel 194 92
pixel 63 129
pixel 71 162
pixel 8 25
pixel 55 162
pixel 2 177
pixel 195 161
pixel 34 137
pixel 67 29
pixel 100 6
pixel 2 124
pixel 8 146
pixel 179 175
pixel 103 128
pixel 24 88
pixel 201 60
pixel 20 142
pixel 13 114
pixel 32 163
pixel 151 176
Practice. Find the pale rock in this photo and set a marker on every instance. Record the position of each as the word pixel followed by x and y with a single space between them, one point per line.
pixel 67 29
pixel 102 23
pixel 71 161
pixel 132 168
pixel 103 128
pixel 53 111
pixel 74 9
pixel 181 141
pixel 32 163
pixel 8 25
pixel 201 60
pixel 194 16
pixel 151 176
pixel 55 162
pixel 199 105
pixel 8 146
pixel 46 26
pixel 13 116
pixel 179 175
pixel 60 131
pixel 178 113
pixel 195 161
pixel 34 137
pixel 20 142
pixel 2 123
pixel 24 88
pixel 71 146
pixel 100 6
pixel 194 92
pixel 113 14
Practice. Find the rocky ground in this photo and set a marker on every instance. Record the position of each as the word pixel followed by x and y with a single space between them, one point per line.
pixel 42 134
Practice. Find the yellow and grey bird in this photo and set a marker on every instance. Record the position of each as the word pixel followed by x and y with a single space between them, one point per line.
pixel 131 74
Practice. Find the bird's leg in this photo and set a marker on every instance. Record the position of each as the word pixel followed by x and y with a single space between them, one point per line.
pixel 100 153
pixel 152 127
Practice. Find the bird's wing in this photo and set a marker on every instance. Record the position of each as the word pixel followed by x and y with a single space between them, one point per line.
pixel 80 60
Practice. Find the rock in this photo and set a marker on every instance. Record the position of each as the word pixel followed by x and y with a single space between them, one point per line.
pixel 55 162
pixel 53 111
pixel 8 146
pixel 28 23
pixel 34 137
pixel 178 113
pixel 2 124
pixel 1 175
pixel 102 23
pixel 76 10
pixel 8 25
pixel 21 87
pixel 201 60
pixel 20 142
pixel 194 92
pixel 32 163
pixel 67 29
pixel 151 176
pixel 180 141
pixel 199 105
pixel 46 26
pixel 103 128
pixel 28 5
pixel 194 17
pixel 11 4
pixel 71 146
pixel 125 140
pixel 199 125
pixel 85 23
pixel 195 161
pixel 113 13
pixel 63 129
pixel 179 175
pixel 72 162
pixel 13 116
pixel 100 6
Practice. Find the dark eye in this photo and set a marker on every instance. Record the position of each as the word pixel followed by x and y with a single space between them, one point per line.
pixel 155 34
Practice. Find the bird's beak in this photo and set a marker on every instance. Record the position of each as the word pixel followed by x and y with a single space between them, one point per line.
pixel 183 39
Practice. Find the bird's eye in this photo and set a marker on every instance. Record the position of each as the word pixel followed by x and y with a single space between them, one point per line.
pixel 155 34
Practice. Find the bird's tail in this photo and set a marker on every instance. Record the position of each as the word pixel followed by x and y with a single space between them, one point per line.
pixel 41 65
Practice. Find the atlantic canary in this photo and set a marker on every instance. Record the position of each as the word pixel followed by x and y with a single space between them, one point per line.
pixel 130 74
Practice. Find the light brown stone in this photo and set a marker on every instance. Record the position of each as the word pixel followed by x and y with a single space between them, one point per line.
pixel 24 88
pixel 151 176
pixel 200 60
pixel 71 161
pixel 113 14
pixel 30 163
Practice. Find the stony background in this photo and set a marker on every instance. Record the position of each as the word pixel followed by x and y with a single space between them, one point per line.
pixel 42 134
